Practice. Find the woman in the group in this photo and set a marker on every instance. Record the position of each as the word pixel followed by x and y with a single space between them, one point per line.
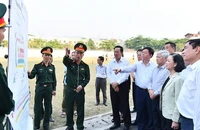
pixel 170 92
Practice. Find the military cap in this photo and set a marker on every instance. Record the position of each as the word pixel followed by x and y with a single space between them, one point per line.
pixel 80 47
pixel 47 50
pixel 2 13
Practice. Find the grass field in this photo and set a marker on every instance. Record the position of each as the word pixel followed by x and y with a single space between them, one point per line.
pixel 90 108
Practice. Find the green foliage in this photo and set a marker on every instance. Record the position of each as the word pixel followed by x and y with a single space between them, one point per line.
pixel 132 43
pixel 108 45
pixel 36 43
pixel 54 44
pixel 4 43
pixel 140 42
pixel 91 44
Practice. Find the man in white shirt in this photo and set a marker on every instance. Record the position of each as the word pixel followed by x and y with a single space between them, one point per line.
pixel 119 89
pixel 100 83
pixel 188 102
pixel 170 47
pixel 139 58
pixel 143 71
pixel 158 77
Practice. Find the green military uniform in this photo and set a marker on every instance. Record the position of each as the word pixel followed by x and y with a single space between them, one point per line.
pixel 6 102
pixel 77 74
pixel 45 85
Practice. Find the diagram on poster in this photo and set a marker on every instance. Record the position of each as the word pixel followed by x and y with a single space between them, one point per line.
pixel 17 68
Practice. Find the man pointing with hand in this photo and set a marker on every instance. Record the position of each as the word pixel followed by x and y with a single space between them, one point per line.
pixel 78 76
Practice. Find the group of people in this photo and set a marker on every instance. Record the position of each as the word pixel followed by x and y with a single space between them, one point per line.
pixel 166 94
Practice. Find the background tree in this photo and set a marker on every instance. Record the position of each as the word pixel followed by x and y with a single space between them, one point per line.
pixel 108 45
pixel 91 44
pixel 55 44
pixel 4 43
pixel 140 42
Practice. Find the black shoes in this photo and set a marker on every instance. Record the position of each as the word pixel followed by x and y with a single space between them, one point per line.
pixel 121 120
pixel 105 104
pixel 51 119
pixel 69 128
pixel 126 127
pixel 114 126
pixel 134 123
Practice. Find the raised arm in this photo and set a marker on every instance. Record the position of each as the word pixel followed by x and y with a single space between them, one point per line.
pixel 32 74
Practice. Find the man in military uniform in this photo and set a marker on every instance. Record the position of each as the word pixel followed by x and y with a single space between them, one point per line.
pixel 78 76
pixel 6 102
pixel 45 87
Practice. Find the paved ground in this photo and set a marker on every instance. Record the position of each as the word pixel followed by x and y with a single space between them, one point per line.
pixel 101 122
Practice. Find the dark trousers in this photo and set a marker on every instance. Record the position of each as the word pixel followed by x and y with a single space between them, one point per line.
pixel 64 102
pixel 167 123
pixel 42 93
pixel 156 113
pixel 42 111
pixel 100 84
pixel 118 99
pixel 1 126
pixel 1 121
pixel 186 123
pixel 72 97
pixel 134 95
pixel 144 109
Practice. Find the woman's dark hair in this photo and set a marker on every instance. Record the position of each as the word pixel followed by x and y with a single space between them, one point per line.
pixel 178 59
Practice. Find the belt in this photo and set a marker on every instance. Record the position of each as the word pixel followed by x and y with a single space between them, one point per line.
pixel 45 85
pixel 100 78
pixel 144 89
pixel 72 89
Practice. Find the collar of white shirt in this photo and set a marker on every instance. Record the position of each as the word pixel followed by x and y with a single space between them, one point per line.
pixel 150 62
pixel 162 67
pixel 193 66
pixel 114 60
pixel 101 65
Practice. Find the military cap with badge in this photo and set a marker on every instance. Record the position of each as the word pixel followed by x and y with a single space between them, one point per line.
pixel 47 50
pixel 3 10
pixel 80 47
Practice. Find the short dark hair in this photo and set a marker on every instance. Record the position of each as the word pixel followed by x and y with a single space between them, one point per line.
pixel 194 43
pixel 101 58
pixel 151 51
pixel 121 48
pixel 172 44
pixel 6 56
pixel 178 59
pixel 139 50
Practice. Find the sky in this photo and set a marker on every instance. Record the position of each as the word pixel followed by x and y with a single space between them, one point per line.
pixel 113 18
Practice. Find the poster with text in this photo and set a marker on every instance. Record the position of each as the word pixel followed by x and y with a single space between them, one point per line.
pixel 17 67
